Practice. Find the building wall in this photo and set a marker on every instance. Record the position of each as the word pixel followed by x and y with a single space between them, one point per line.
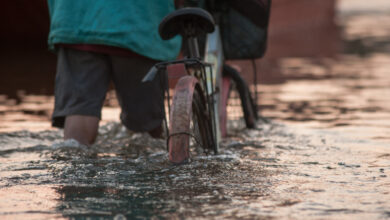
pixel 303 28
pixel 25 63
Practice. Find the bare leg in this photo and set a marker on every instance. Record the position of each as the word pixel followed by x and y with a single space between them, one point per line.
pixel 82 128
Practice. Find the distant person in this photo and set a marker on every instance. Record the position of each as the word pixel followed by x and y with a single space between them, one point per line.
pixel 98 41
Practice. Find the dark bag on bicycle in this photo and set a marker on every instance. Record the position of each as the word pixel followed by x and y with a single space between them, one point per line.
pixel 244 25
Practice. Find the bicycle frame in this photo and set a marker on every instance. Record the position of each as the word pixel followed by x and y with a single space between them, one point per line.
pixel 214 56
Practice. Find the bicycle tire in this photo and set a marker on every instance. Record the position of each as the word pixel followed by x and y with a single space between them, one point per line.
pixel 249 108
pixel 189 110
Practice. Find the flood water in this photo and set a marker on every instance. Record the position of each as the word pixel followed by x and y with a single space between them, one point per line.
pixel 324 154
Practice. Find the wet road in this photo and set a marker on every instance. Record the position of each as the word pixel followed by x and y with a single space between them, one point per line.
pixel 324 155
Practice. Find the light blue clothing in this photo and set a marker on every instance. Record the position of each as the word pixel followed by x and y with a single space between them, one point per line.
pixel 130 24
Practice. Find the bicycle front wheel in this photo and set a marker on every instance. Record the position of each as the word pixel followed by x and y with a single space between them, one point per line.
pixel 190 128
pixel 247 103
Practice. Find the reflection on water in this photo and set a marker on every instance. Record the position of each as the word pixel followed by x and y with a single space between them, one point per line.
pixel 351 96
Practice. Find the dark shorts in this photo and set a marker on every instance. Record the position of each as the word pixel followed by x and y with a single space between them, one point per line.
pixel 83 79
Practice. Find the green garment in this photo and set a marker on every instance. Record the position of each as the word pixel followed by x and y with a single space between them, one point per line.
pixel 130 24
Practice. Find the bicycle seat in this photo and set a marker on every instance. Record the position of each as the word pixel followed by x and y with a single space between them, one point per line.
pixel 188 22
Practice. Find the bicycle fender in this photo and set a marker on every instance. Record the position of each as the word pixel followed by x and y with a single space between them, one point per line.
pixel 175 72
pixel 179 120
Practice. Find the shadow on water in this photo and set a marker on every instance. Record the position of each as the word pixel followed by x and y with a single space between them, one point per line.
pixel 149 187
pixel 126 175
pixel 93 202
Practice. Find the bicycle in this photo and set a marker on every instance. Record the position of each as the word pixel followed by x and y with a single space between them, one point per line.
pixel 202 84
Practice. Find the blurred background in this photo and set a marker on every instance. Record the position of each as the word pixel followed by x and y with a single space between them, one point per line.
pixel 299 28
pixel 326 66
